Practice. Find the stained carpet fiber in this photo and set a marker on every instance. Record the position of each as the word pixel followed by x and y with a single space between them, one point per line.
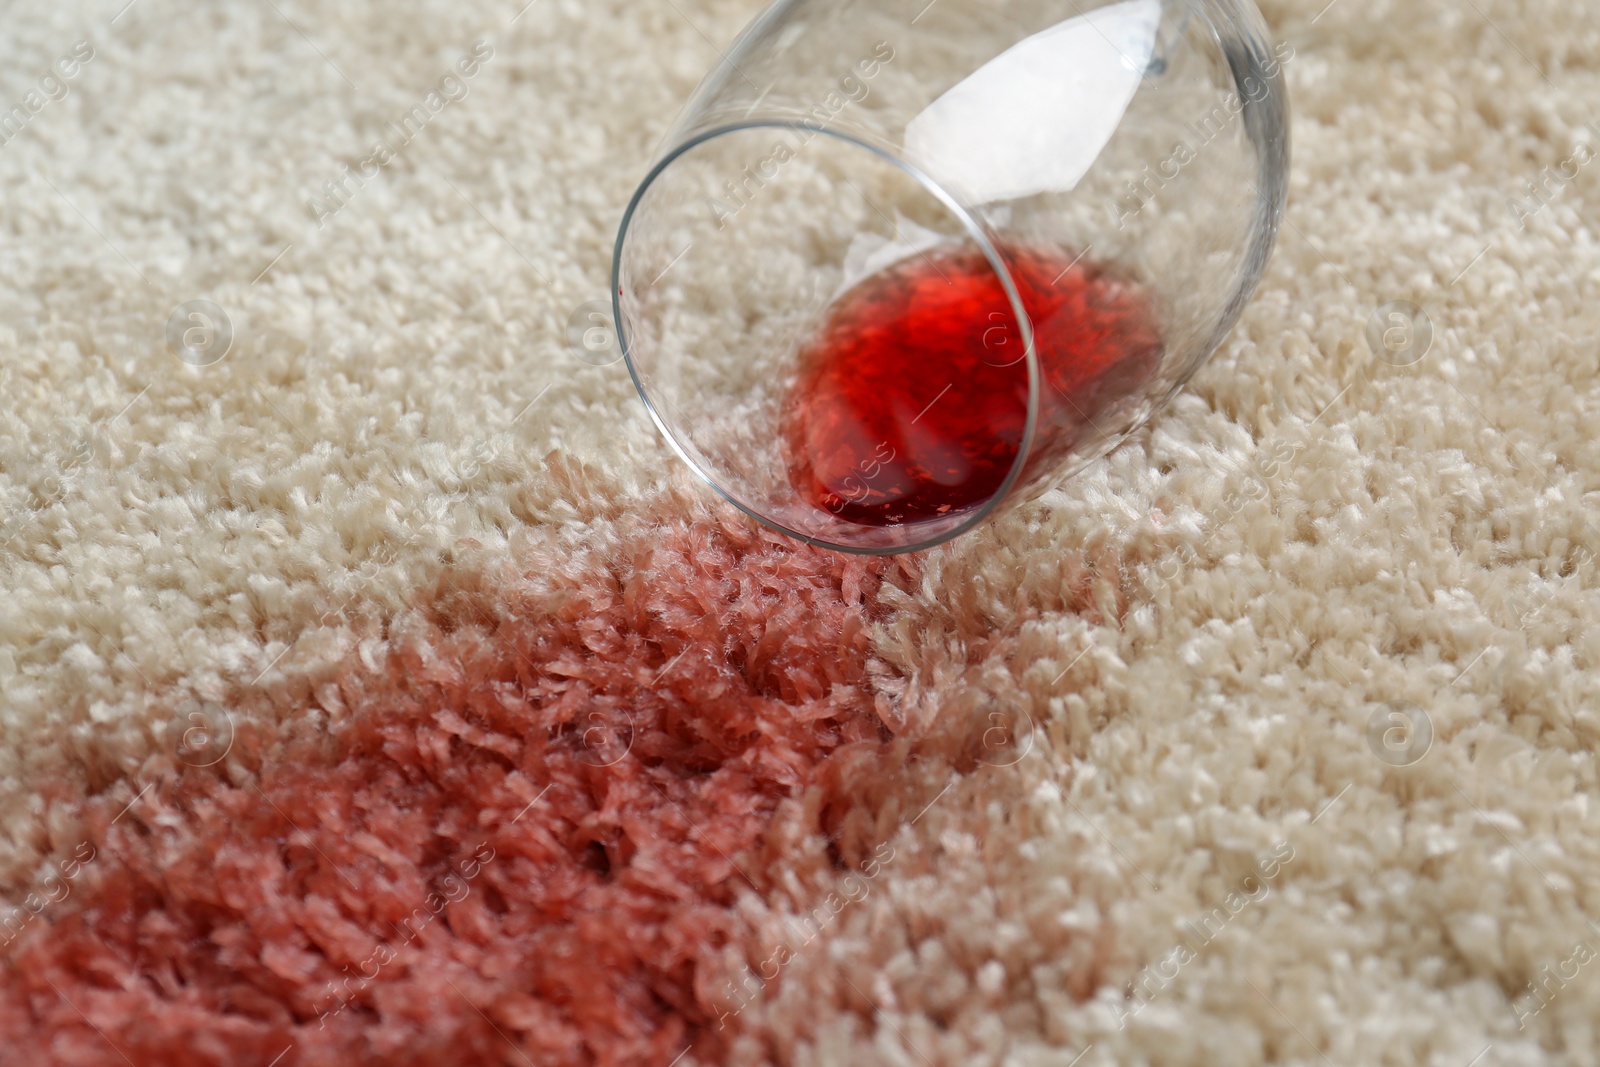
pixel 383 693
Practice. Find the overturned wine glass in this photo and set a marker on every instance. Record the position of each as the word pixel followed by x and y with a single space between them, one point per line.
pixel 901 265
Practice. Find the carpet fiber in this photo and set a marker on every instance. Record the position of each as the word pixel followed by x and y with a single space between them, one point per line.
pixel 384 692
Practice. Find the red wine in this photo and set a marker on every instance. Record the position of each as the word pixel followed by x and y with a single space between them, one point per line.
pixel 912 398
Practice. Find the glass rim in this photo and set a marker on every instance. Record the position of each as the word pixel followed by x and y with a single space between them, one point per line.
pixel 975 229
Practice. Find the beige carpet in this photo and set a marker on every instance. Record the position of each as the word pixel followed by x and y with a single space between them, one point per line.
pixel 1310 663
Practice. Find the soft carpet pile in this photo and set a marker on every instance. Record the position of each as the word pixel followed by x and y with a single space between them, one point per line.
pixel 384 693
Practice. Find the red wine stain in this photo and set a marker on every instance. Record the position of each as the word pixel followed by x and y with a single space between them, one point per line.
pixel 912 398
pixel 525 841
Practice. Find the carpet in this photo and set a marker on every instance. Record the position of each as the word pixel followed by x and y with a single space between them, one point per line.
pixel 375 687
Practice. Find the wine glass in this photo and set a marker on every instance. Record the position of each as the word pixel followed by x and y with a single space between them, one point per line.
pixel 901 265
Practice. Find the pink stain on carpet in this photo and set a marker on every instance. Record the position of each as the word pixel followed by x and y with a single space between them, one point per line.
pixel 519 844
